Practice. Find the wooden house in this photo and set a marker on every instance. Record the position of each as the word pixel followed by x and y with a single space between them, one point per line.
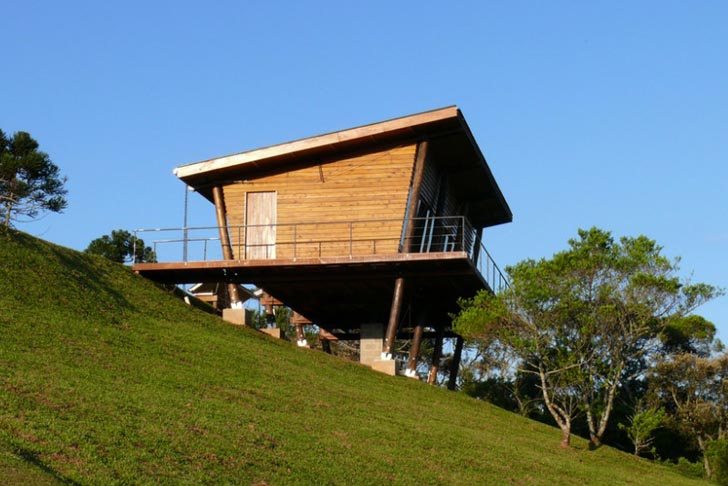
pixel 374 230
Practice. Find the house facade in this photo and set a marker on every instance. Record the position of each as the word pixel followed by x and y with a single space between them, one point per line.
pixel 375 230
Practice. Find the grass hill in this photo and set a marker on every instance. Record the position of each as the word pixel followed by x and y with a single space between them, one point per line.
pixel 104 378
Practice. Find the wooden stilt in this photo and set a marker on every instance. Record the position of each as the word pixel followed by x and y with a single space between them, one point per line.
pixel 414 355
pixel 325 338
pixel 393 318
pixel 227 249
pixel 436 355
pixel 455 364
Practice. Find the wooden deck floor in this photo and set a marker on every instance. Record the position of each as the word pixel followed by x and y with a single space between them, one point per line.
pixel 342 292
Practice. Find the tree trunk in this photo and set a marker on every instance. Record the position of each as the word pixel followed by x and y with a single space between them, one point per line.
pixel 8 212
pixel 597 429
pixel 566 437
pixel 706 463
pixel 562 418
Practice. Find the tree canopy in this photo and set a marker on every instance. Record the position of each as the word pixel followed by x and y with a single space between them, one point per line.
pixel 123 247
pixel 29 182
pixel 585 321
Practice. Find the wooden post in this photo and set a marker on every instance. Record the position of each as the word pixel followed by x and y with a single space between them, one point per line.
pixel 476 246
pixel 414 196
pixel 301 337
pixel 436 355
pixel 415 351
pixel 227 250
pixel 393 318
pixel 455 364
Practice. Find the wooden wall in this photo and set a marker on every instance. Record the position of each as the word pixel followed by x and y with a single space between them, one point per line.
pixel 322 199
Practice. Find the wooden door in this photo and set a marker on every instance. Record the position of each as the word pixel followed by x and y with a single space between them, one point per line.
pixel 260 220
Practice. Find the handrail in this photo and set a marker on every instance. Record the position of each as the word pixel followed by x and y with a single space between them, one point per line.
pixel 491 272
pixel 354 238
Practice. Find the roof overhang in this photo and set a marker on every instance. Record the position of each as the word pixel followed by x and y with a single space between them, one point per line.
pixel 446 129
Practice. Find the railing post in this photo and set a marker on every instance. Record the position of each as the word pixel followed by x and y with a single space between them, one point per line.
pixel 295 228
pixel 351 238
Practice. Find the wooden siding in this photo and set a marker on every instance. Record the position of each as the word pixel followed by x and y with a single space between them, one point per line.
pixel 321 200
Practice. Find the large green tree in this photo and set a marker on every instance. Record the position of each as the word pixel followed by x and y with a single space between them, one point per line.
pixel 29 182
pixel 585 321
pixel 694 391
pixel 123 247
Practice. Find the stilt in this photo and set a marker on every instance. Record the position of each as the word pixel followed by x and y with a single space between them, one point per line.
pixel 393 318
pixel 227 249
pixel 455 364
pixel 436 355
pixel 325 338
pixel 300 336
pixel 414 355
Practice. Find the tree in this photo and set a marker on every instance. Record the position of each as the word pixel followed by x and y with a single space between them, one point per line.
pixel 642 424
pixel 585 321
pixel 122 247
pixel 29 182
pixel 694 391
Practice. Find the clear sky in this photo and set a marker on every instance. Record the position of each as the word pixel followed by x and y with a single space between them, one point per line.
pixel 612 114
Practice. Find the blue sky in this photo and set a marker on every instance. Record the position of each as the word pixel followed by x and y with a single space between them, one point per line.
pixel 612 114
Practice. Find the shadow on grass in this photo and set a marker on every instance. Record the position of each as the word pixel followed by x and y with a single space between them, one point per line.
pixel 32 459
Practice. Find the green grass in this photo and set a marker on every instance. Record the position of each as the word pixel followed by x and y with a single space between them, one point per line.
pixel 104 378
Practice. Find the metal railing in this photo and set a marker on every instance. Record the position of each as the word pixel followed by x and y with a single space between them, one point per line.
pixel 489 270
pixel 328 239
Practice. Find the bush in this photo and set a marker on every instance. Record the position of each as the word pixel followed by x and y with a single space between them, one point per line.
pixel 689 469
pixel 717 453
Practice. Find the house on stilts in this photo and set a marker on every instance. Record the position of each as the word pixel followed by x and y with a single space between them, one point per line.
pixel 370 233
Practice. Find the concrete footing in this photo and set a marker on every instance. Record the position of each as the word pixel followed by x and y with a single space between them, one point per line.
pixel 386 366
pixel 240 317
pixel 370 346
pixel 273 331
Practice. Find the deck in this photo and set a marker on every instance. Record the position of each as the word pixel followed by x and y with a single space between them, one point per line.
pixel 347 281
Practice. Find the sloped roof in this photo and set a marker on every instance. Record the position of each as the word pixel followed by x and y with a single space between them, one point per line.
pixel 446 129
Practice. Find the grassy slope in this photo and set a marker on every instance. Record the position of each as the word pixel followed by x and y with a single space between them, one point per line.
pixel 105 378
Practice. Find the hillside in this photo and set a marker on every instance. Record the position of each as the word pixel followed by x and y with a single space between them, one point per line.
pixel 104 378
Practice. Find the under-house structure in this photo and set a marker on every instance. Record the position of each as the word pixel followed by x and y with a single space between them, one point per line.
pixel 370 233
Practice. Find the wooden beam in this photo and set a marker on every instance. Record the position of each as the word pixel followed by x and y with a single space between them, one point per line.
pixel 476 246
pixel 394 313
pixel 414 196
pixel 227 250
pixel 325 335
pixel 355 336
pixel 300 319
pixel 455 364
pixel 436 355
pixel 414 355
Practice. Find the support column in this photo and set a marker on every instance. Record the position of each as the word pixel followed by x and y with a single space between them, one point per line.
pixel 370 343
pixel 301 337
pixel 393 318
pixel 414 351
pixel 227 250
pixel 452 381
pixel 436 355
